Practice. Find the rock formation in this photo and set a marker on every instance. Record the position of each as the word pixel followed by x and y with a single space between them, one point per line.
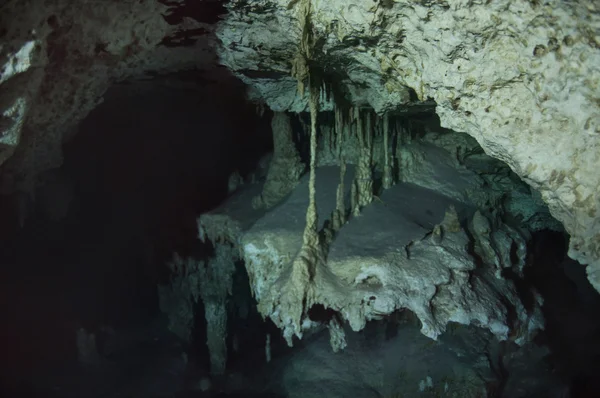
pixel 432 243
pixel 211 282
pixel 285 167
pixel 520 77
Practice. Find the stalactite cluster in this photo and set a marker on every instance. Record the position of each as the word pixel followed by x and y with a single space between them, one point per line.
pixel 364 175
pixel 297 292
pixel 211 282
pixel 339 215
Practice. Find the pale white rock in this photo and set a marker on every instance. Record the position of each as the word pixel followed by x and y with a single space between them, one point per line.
pixel 521 77
pixel 415 257
pixel 17 62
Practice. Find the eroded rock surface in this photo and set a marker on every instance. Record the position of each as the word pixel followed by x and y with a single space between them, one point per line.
pixel 521 77
pixel 414 256
pixel 422 245
pixel 58 58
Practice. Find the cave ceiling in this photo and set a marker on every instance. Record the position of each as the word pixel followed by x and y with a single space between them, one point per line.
pixel 521 77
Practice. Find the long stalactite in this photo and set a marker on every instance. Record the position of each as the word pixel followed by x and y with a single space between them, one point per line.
pixel 388 179
pixel 339 214
pixel 363 183
pixel 312 219
pixel 296 295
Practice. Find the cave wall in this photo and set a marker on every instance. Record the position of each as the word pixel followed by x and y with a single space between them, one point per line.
pixel 143 165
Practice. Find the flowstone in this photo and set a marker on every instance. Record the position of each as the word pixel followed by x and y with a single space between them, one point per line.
pixel 415 256
pixel 455 165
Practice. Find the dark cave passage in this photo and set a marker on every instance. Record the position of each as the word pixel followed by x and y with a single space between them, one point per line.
pixel 142 167
pixel 570 309
pixel 158 154
pixel 299 199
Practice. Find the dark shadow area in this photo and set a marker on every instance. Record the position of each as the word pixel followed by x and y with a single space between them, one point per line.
pixel 142 167
pixel 158 153
pixel 571 307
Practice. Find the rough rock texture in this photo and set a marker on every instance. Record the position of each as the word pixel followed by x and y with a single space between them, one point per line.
pixel 285 168
pixel 210 281
pixel 413 258
pixel 178 298
pixel 416 256
pixel 519 76
pixel 215 287
pixel 58 58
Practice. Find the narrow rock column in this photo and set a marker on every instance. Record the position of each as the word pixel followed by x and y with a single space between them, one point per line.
pixel 286 167
pixel 364 177
pixel 388 179
pixel 311 234
pixel 216 334
pixel 216 284
pixel 339 214
pixel 297 292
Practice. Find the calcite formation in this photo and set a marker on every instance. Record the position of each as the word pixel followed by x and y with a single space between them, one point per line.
pixel 285 167
pixel 521 77
pixel 209 281
pixel 215 287
pixel 363 183
pixel 435 243
pixel 178 298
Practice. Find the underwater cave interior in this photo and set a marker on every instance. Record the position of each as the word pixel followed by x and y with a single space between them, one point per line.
pixel 159 155
pixel 197 241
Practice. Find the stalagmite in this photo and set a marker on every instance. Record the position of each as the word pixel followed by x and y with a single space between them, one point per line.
pixel 286 167
pixel 388 179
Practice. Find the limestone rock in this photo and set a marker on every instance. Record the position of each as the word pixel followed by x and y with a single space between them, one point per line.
pixel 210 281
pixel 414 257
pixel 285 167
pixel 58 58
pixel 521 77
